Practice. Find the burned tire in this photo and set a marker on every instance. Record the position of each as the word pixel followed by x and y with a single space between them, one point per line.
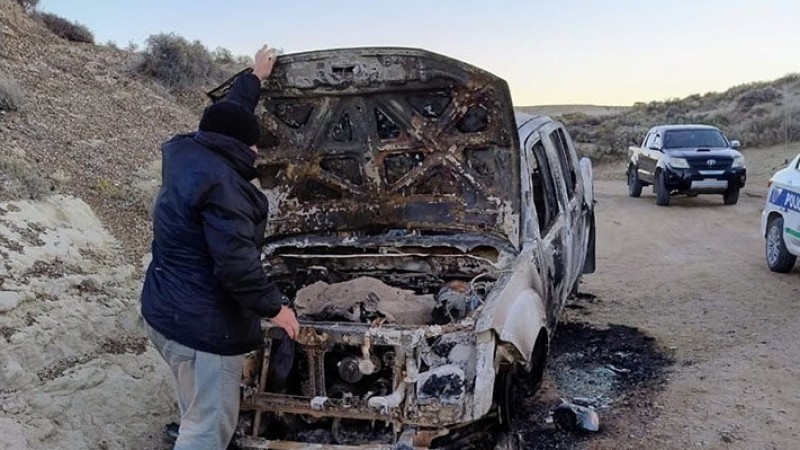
pixel 634 183
pixel 731 196
pixel 662 193
pixel 519 382
pixel 778 257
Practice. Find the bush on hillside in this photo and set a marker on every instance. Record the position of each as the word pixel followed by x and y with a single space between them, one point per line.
pixel 28 5
pixel 244 60
pixel 177 63
pixel 758 96
pixel 223 56
pixel 63 28
pixel 10 95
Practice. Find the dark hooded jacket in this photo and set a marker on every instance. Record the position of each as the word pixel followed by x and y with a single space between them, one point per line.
pixel 206 287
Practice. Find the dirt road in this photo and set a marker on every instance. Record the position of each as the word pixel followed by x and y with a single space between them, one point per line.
pixel 693 276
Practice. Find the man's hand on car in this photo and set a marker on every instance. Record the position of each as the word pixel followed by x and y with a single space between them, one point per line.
pixel 287 320
pixel 264 62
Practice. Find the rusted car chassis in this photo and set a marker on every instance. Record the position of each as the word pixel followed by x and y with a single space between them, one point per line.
pixel 420 411
pixel 390 380
pixel 403 231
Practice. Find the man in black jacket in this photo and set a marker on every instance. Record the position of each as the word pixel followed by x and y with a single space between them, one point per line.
pixel 206 290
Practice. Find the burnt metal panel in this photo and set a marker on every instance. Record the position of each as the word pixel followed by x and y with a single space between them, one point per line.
pixel 387 138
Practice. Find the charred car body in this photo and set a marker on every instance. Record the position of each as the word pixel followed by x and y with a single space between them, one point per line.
pixel 428 238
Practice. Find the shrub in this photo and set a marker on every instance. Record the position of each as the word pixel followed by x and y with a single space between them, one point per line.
pixel 223 56
pixel 28 5
pixel 758 96
pixel 63 28
pixel 244 60
pixel 177 63
pixel 18 180
pixel 10 95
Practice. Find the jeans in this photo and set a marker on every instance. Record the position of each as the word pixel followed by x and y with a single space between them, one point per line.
pixel 207 386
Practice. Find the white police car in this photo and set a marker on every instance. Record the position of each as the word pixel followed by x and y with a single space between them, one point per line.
pixel 780 220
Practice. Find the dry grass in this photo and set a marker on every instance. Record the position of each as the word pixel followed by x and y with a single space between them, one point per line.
pixel 18 181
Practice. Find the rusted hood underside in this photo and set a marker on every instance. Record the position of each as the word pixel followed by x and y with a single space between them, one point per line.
pixel 373 139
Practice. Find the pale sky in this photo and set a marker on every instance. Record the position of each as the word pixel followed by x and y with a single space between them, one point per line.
pixel 612 52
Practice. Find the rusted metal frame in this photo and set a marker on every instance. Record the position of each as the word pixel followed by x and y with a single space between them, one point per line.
pixel 442 264
pixel 430 132
pixel 311 333
pixel 430 144
pixel 290 139
pixel 262 383
pixel 399 370
pixel 323 146
pixel 280 403
pixel 316 360
pixel 263 444
pixel 464 242
pixel 429 416
pixel 321 175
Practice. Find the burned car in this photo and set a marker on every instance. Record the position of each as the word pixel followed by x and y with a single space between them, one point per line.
pixel 426 236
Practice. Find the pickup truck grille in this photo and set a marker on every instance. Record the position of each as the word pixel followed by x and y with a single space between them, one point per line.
pixel 703 163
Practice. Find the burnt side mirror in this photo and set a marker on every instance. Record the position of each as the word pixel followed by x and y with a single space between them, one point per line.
pixel 736 145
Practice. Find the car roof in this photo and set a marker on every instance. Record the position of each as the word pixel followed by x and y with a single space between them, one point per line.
pixel 687 126
pixel 529 121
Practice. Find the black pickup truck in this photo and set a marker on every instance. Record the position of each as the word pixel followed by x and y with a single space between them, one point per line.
pixel 686 159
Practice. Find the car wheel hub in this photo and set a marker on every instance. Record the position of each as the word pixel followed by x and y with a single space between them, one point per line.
pixel 773 244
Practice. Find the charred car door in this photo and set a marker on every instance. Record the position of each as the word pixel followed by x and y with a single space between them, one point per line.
pixel 570 187
pixel 551 218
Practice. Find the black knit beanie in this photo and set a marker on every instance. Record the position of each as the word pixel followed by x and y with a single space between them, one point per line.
pixel 231 119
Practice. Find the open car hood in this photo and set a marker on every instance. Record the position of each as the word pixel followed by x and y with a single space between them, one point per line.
pixel 367 140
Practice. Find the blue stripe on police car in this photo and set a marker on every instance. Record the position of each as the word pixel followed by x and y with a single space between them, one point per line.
pixel 785 198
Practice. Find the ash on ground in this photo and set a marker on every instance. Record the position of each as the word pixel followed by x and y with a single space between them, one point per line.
pixel 617 370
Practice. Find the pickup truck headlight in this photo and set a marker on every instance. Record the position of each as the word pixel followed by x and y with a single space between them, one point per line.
pixel 677 163
pixel 738 162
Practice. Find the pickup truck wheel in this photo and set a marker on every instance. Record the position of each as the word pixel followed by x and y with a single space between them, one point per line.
pixel 509 393
pixel 519 382
pixel 634 184
pixel 662 193
pixel 778 257
pixel 731 196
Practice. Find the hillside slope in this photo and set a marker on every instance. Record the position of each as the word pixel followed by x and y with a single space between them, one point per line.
pixel 77 172
pixel 560 110
pixel 758 114
pixel 86 127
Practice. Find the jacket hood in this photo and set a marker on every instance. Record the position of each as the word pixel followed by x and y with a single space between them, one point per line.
pixel 240 157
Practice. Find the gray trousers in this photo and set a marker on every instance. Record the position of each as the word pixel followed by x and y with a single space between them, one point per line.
pixel 208 393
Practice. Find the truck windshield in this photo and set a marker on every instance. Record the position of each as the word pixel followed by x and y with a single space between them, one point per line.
pixel 694 139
